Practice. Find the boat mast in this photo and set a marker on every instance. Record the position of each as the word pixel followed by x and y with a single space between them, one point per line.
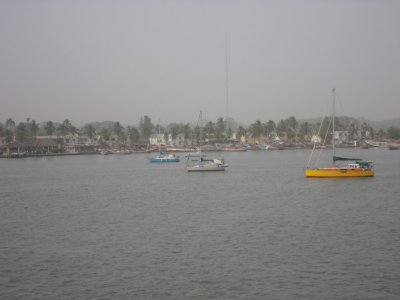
pixel 226 76
pixel 333 124
pixel 201 129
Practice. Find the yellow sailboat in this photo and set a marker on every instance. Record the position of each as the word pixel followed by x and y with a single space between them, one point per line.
pixel 358 168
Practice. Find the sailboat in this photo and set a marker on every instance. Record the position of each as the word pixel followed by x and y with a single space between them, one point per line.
pixel 163 156
pixel 358 168
pixel 203 164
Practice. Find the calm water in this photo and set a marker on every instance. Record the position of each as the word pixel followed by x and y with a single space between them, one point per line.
pixel 118 227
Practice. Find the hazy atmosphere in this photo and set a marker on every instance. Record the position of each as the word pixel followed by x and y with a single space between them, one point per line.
pixel 119 60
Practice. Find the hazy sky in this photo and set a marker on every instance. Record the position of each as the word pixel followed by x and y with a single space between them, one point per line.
pixel 119 60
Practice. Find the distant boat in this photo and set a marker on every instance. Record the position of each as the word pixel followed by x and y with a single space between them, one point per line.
pixel 376 144
pixel 122 151
pixel 266 147
pixel 164 158
pixel 106 152
pixel 202 164
pixel 358 168
pixel 196 153
pixel 18 154
pixel 207 165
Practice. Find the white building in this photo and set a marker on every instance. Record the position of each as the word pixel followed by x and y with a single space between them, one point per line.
pixel 157 139
pixel 178 141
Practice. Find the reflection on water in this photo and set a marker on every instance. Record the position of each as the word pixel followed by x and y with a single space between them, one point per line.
pixel 113 227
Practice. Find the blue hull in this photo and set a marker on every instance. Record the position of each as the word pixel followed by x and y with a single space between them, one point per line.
pixel 163 160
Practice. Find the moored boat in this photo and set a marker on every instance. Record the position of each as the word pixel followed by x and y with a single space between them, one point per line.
pixel 164 158
pixel 202 164
pixel 358 168
pixel 394 147
pixel 207 166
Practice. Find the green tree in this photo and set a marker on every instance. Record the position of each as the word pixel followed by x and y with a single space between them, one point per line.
pixel 49 127
pixel 196 135
pixel 179 128
pixel 133 135
pixel 256 129
pixel 146 127
pixel 219 129
pixel 241 132
pixel 159 129
pixel 90 131
pixel 10 124
pixel 209 130
pixel 66 127
pixel 371 132
pixel 8 135
pixel 118 130
pixel 33 128
pixel 21 132
pixel 353 129
pixel 270 128
pixel 393 133
pixel 105 134
pixel 229 133
pixel 325 129
pixel 291 127
pixel 282 128
pixel 304 130
pixel 364 129
pixel 380 134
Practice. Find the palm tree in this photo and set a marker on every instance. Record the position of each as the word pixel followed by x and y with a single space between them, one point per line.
pixel 364 129
pixel 270 127
pixel 62 129
pixel 8 135
pixel 49 127
pixel 90 131
pixel 209 129
pixel 66 127
pixel 256 129
pixel 118 130
pixel 219 129
pixel 281 128
pixel 146 127
pixel 353 129
pixel 133 135
pixel 241 132
pixel 196 135
pixel 105 134
pixel 34 128
pixel 291 127
pixel 10 124
pixel 304 130
pixel 21 132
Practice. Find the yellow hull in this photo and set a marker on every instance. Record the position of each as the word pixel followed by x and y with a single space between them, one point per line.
pixel 338 172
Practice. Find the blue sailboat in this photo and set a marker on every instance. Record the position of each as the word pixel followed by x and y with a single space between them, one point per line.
pixel 164 157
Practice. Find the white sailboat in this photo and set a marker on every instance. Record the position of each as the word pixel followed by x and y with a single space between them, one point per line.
pixel 202 164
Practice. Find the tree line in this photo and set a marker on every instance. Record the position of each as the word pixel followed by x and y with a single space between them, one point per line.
pixel 219 131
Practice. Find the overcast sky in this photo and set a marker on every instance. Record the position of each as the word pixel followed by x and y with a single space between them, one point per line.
pixel 119 60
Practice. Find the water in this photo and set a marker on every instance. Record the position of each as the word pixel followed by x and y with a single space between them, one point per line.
pixel 118 227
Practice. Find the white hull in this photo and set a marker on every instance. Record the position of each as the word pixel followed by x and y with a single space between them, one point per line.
pixel 206 168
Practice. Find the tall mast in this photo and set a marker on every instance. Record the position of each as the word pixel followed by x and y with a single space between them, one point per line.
pixel 201 128
pixel 333 123
pixel 226 76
